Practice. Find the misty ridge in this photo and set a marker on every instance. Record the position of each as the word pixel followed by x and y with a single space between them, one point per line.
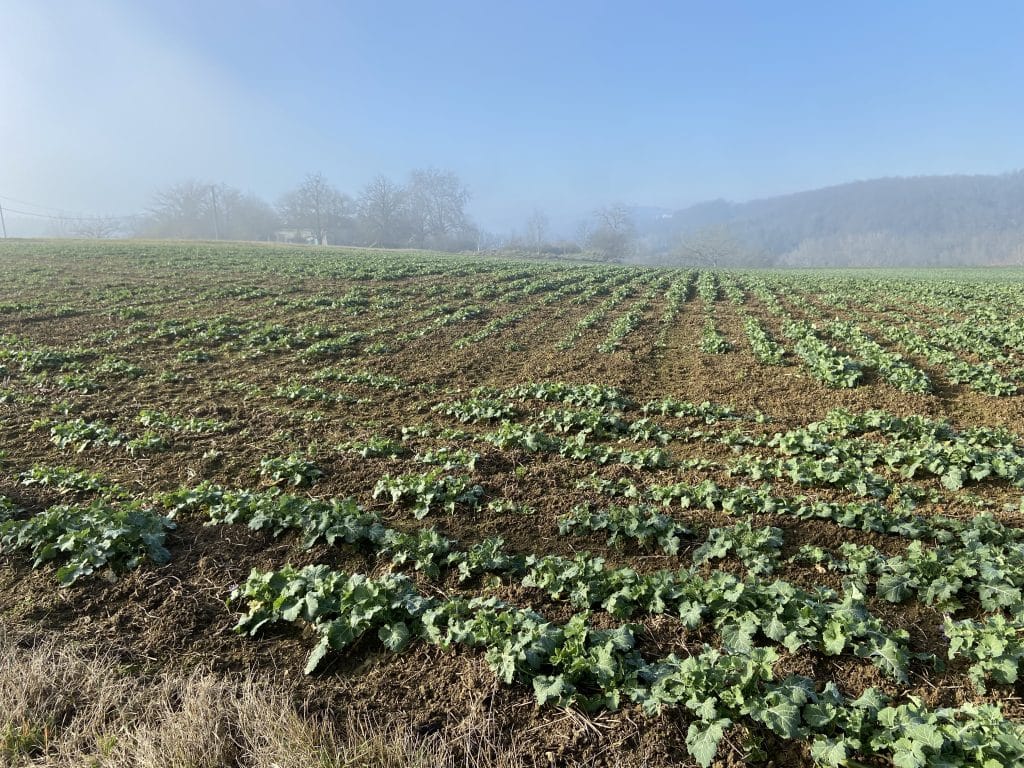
pixel 924 221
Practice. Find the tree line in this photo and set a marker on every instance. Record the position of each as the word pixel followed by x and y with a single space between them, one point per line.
pixel 923 221
pixel 427 211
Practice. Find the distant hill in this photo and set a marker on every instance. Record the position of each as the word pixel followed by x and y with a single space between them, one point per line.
pixel 918 221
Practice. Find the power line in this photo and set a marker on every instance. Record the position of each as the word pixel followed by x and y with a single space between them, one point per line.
pixel 29 213
pixel 30 205
pixel 59 213
pixel 68 218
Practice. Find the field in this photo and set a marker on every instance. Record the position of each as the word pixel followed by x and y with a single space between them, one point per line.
pixel 509 513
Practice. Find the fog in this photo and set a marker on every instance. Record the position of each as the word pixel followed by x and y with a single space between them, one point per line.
pixel 98 111
pixel 586 126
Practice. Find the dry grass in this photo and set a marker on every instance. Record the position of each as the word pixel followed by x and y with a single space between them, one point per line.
pixel 60 708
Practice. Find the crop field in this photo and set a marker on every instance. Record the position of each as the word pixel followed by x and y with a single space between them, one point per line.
pixel 539 514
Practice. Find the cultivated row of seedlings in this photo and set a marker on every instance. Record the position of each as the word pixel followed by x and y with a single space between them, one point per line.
pixel 949 563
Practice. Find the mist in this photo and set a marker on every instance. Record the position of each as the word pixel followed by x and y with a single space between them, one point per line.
pixel 591 130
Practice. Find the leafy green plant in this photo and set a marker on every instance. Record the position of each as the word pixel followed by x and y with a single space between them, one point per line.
pixel 69 480
pixel 81 435
pixel 995 645
pixel 478 409
pixel 8 509
pixel 591 422
pixel 823 360
pixel 195 356
pixel 507 506
pixel 341 346
pixel 573 663
pixel 191 425
pixel 77 382
pixel 766 350
pixel 90 537
pixel 450 458
pixel 622 327
pixel 375 447
pixel 429 490
pixel 645 525
pixel 582 395
pixel 341 607
pixel 533 440
pixel 293 469
pixel 492 327
pixel 891 366
pixel 757 548
pixel 148 442
pixel 711 341
pixel 707 412
pixel 297 392
pixel 364 378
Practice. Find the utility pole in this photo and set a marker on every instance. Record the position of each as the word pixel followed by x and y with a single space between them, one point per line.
pixel 216 223
pixel 2 221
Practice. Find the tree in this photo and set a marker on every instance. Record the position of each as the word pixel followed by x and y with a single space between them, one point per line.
pixel 709 247
pixel 437 208
pixel 97 227
pixel 182 211
pixel 197 210
pixel 536 229
pixel 613 236
pixel 317 206
pixel 382 212
pixel 245 217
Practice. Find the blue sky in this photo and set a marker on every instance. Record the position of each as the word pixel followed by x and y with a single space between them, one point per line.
pixel 560 105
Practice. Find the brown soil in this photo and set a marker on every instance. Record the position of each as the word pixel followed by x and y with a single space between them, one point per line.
pixel 176 616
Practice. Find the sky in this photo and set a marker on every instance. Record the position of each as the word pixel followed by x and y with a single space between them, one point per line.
pixel 558 106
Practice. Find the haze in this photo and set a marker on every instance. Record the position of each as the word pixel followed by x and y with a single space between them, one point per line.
pixel 561 107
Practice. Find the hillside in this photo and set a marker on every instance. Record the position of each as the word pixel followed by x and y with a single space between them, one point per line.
pixel 919 221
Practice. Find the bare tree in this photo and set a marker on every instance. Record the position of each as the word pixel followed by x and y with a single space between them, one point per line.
pixel 98 228
pixel 244 217
pixel 197 210
pixel 382 212
pixel 437 208
pixel 536 229
pixel 182 211
pixel 613 236
pixel 709 247
pixel 317 206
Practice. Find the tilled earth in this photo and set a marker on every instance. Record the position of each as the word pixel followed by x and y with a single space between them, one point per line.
pixel 99 303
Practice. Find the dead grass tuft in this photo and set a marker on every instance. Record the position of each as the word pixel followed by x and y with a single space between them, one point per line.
pixel 62 709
